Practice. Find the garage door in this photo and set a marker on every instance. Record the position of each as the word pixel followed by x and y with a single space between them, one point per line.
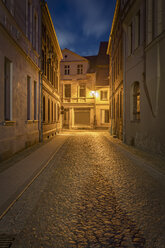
pixel 82 117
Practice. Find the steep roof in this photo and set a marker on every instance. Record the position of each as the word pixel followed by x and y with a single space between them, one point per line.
pixel 100 64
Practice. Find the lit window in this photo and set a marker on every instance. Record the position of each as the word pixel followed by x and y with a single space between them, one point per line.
pixel 104 95
pixel 79 69
pixel 136 101
pixel 67 69
pixel 82 90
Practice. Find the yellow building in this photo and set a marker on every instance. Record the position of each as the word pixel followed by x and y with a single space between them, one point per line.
pixel 51 56
pixel 85 89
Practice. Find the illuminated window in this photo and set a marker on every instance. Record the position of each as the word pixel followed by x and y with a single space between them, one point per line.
pixel 104 95
pixel 79 69
pixel 67 69
pixel 82 90
pixel 136 101
pixel 67 90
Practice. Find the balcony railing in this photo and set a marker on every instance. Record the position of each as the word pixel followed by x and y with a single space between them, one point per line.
pixel 78 100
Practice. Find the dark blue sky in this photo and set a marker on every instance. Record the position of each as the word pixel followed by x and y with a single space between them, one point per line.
pixel 80 25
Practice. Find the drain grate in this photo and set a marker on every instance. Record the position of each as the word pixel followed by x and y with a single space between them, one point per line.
pixel 6 241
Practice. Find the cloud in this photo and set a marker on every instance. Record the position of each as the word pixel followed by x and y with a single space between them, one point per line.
pixel 93 14
pixel 65 38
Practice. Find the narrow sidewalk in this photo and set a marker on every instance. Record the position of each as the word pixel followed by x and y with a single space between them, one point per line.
pixel 16 177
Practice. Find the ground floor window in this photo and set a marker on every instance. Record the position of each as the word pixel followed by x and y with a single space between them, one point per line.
pixel 104 116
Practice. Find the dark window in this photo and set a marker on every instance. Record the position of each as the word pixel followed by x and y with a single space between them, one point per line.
pixel 43 108
pixel 67 90
pixel 106 116
pixel 67 69
pixel 8 85
pixel 48 110
pixel 28 98
pixel 79 69
pixel 103 95
pixel 82 90
pixel 35 100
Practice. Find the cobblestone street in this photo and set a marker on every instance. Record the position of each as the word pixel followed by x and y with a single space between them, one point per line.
pixel 92 195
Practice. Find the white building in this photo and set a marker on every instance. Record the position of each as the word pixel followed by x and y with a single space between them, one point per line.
pixel 144 88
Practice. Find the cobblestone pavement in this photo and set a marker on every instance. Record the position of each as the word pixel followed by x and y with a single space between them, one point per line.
pixel 93 195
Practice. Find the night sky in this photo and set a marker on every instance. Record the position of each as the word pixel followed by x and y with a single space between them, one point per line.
pixel 80 25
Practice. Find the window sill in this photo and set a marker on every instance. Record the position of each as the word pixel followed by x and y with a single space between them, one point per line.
pixel 29 122
pixel 9 123
pixel 35 121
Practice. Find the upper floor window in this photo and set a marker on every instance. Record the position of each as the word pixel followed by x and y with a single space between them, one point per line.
pixel 130 39
pixel 67 69
pixel 104 95
pixel 137 30
pixel 79 69
pixel 82 90
pixel 67 90
pixel 136 101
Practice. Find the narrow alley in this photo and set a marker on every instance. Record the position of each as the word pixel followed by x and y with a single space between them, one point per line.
pixel 94 193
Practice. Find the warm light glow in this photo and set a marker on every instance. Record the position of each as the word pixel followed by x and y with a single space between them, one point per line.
pixel 94 93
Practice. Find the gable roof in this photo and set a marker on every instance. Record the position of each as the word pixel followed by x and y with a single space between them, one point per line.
pixel 74 54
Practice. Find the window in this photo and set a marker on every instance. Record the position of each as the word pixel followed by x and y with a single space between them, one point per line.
pixel 48 110
pixel 79 69
pixel 8 66
pixel 29 15
pixel 104 116
pixel 136 101
pixel 35 100
pixel 67 69
pixel 67 90
pixel 82 90
pixel 137 30
pixel 130 39
pixel 35 32
pixel 28 98
pixel 52 112
pixel 55 112
pixel 43 109
pixel 104 95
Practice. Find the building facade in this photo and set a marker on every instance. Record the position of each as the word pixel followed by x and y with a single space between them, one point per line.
pixel 77 91
pixel 51 57
pixel 115 50
pixel 20 78
pixel 85 89
pixel 100 65
pixel 144 89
